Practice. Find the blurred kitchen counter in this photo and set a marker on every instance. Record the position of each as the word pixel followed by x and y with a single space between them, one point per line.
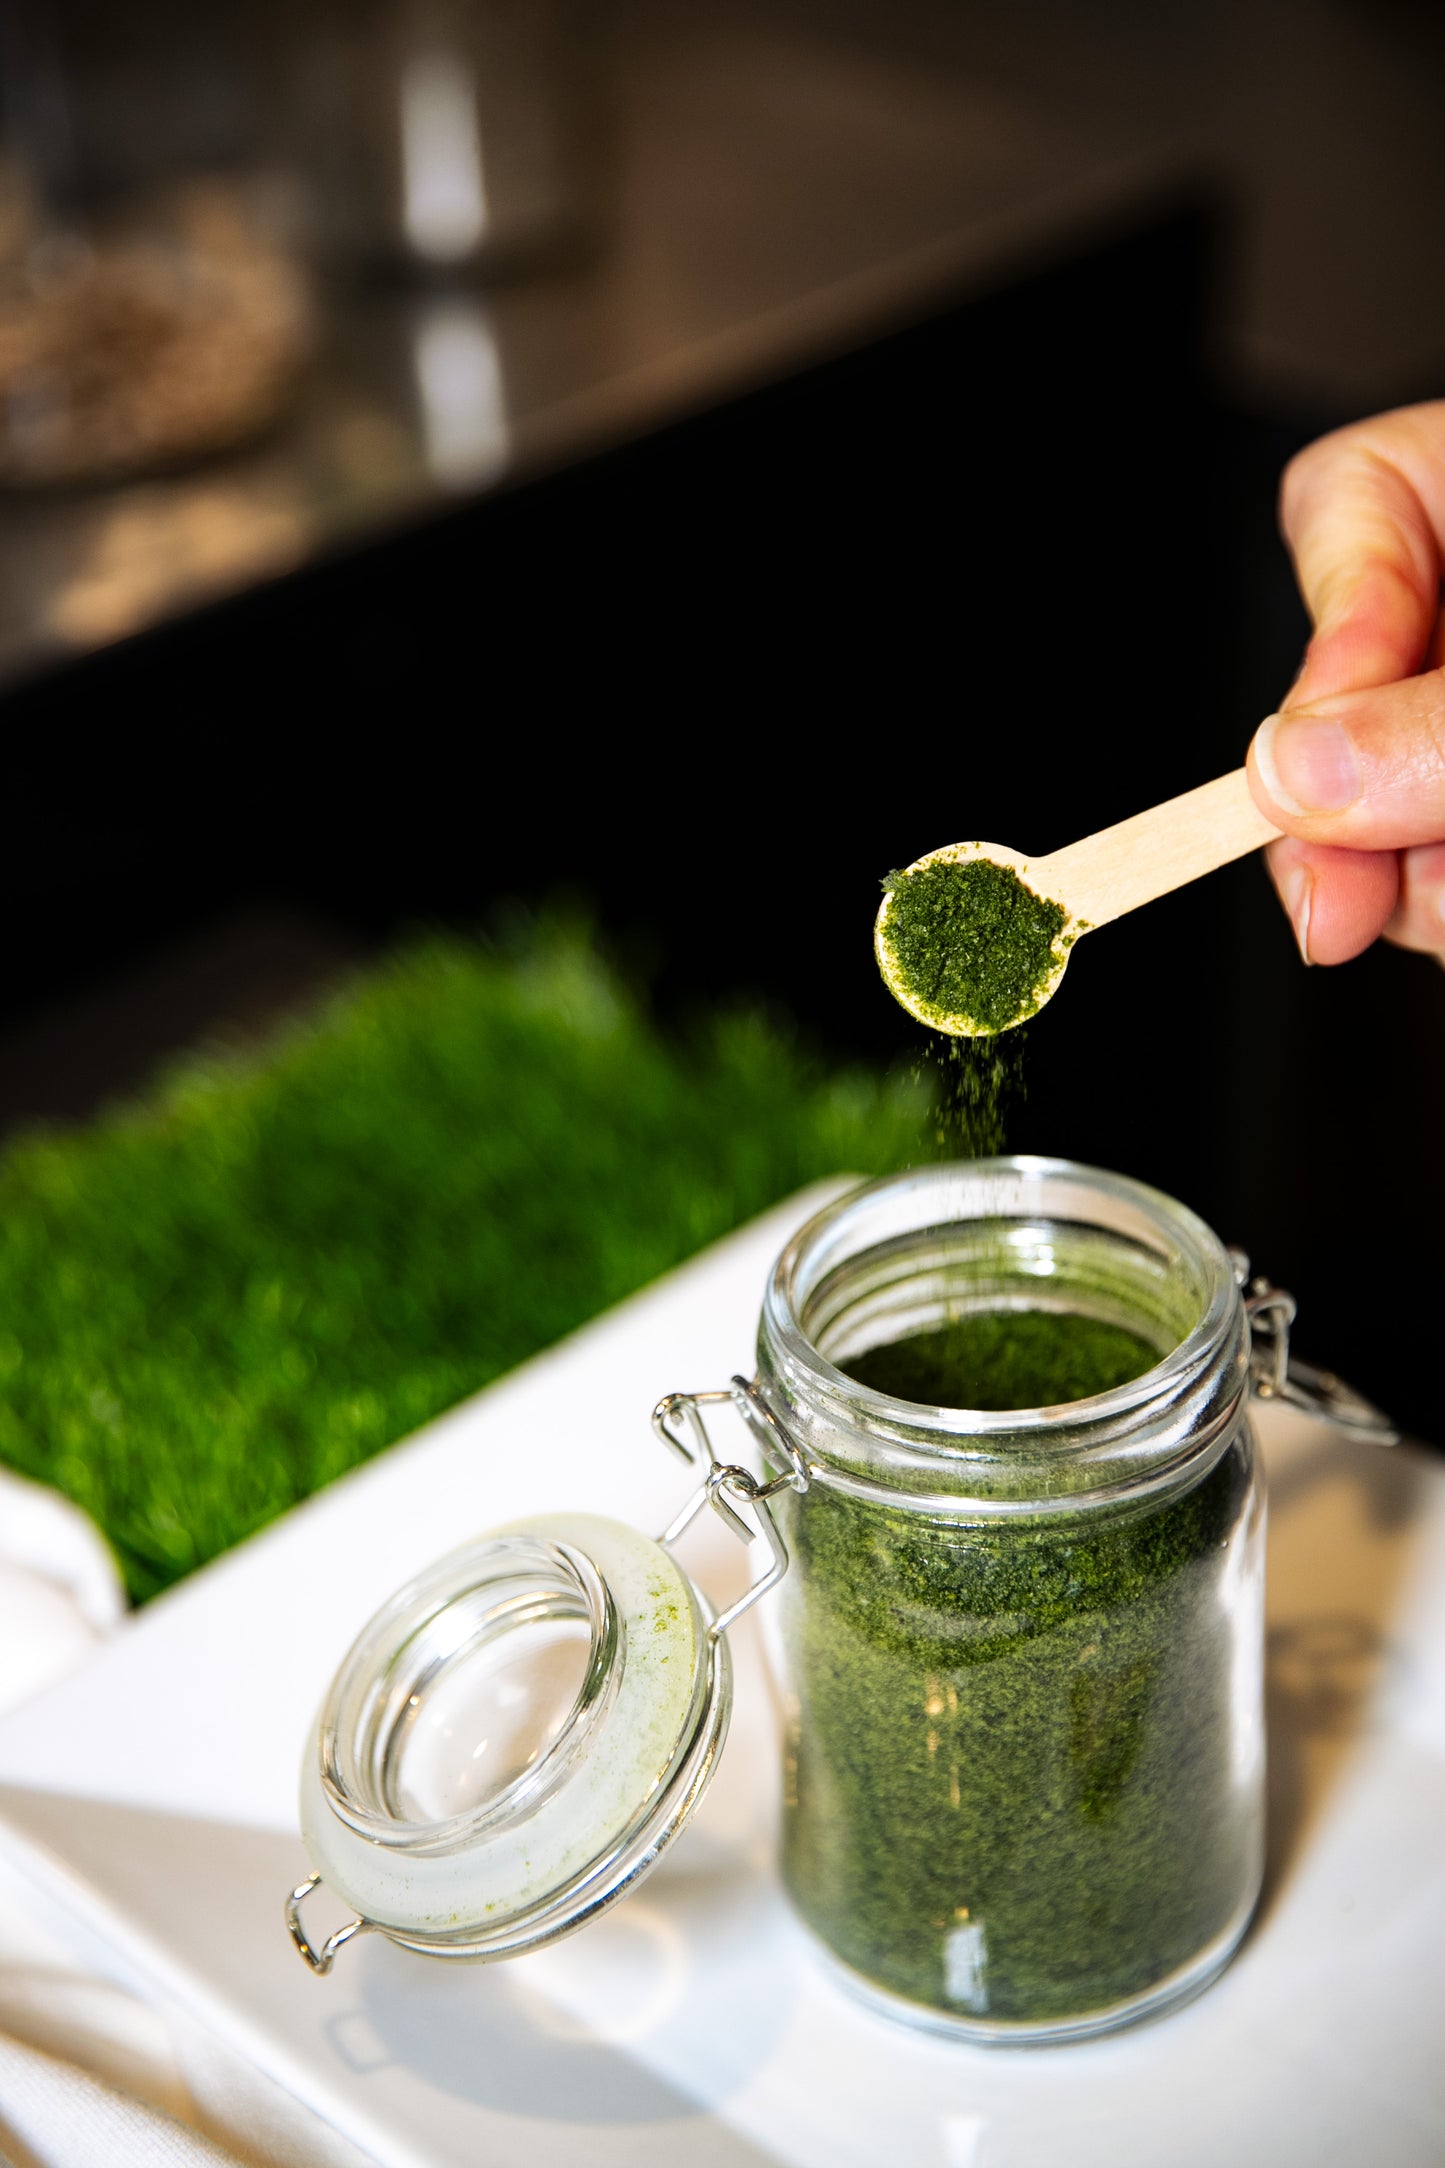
pixel 775 197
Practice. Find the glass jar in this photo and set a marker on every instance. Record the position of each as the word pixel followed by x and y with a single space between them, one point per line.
pixel 1021 1647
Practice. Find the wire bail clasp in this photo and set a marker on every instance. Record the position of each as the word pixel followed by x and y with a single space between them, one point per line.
pixel 320 1960
pixel 1276 1374
pixel 724 1482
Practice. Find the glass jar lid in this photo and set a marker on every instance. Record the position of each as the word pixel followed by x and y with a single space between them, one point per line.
pixel 513 1739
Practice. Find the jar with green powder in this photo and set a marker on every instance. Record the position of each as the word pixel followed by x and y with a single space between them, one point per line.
pixel 1009 1488
pixel 1022 1629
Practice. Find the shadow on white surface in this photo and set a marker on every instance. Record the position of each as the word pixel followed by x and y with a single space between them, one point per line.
pixel 555 2035
pixel 549 2041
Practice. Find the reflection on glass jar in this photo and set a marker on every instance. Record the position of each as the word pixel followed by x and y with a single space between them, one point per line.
pixel 1023 1644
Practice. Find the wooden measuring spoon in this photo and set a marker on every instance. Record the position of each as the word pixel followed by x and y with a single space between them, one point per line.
pixel 1102 877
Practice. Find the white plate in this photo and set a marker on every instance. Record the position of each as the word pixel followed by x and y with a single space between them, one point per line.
pixel 154 1793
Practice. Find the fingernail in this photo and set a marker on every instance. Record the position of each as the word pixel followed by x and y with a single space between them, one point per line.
pixel 1297 890
pixel 1306 764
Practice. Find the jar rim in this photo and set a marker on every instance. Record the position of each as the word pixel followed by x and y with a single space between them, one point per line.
pixel 1164 1211
pixel 1167 1414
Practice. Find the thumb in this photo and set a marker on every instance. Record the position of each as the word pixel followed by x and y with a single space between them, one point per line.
pixel 1363 769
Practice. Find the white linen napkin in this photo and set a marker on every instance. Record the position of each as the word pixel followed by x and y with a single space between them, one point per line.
pixel 60 1593
pixel 53 2115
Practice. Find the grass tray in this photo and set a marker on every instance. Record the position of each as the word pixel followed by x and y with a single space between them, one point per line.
pixel 215 1301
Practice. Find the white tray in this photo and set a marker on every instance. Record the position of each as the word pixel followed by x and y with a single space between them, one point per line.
pixel 153 1793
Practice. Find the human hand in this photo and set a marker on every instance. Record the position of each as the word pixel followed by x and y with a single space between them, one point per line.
pixel 1353 766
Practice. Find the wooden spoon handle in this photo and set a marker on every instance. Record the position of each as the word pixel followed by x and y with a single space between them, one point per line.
pixel 1104 875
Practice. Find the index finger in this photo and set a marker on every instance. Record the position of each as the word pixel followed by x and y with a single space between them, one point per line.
pixel 1363 512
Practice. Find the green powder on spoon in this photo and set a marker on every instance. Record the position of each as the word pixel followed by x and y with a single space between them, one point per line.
pixel 971 940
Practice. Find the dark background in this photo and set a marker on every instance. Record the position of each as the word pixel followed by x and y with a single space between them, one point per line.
pixel 1009 572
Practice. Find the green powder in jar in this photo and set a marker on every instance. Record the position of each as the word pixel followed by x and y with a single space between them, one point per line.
pixel 1010 1786
pixel 1006 1359
pixel 972 941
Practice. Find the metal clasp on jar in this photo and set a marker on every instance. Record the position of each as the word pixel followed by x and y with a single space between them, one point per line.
pixel 725 1481
pixel 1276 1374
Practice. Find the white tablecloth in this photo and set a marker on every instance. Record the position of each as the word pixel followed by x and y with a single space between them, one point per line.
pixel 94 2075
pixel 91 2074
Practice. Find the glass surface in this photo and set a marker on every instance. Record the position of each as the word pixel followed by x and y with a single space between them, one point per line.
pixel 471 1695
pixel 490 1716
pixel 1022 1648
pixel 515 1737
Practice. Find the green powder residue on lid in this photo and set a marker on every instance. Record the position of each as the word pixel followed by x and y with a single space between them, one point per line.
pixel 972 940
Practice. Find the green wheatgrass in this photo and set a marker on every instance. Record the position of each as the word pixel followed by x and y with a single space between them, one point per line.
pixel 972 940
pixel 1009 1775
pixel 279 1261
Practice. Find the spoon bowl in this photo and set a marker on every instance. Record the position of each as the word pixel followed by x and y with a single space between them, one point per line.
pixel 1094 881
pixel 956 1023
